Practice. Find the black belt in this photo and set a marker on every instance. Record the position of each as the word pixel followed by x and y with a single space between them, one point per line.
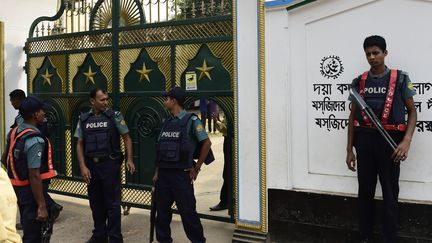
pixel 113 156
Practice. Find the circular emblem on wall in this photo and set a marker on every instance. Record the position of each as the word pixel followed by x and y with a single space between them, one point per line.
pixel 331 67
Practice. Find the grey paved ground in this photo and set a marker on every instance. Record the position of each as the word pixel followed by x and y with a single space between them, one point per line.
pixel 75 223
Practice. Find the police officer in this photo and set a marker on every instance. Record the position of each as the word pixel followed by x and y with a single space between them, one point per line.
pixel 175 168
pixel 16 97
pixel 29 163
pixel 100 157
pixel 388 93
pixel 224 193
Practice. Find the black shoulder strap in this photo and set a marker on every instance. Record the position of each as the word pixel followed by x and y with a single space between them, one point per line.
pixel 14 125
pixel 400 76
pixel 165 123
pixel 84 116
pixel 109 113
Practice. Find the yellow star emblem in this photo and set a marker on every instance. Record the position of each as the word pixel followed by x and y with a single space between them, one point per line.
pixel 204 70
pixel 144 73
pixel 90 75
pixel 47 77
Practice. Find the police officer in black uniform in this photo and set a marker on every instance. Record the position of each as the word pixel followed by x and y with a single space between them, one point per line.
pixel 29 164
pixel 176 170
pixel 100 157
pixel 388 93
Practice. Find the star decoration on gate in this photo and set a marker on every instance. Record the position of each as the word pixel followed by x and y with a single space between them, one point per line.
pixel 90 75
pixel 205 70
pixel 47 77
pixel 144 73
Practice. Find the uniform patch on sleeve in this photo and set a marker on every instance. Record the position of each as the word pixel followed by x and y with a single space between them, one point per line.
pixel 199 128
pixel 39 154
pixel 122 122
pixel 410 86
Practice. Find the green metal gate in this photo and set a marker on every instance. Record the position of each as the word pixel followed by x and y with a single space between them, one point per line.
pixel 113 45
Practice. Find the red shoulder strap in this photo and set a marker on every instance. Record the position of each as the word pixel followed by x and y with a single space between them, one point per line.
pixel 389 98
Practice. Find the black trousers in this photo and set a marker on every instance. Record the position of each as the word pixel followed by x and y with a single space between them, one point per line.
pixel 224 193
pixel 104 197
pixel 28 208
pixel 174 185
pixel 374 160
pixel 48 198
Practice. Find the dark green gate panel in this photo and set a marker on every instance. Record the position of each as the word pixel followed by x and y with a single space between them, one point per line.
pixel 144 118
pixel 56 128
pixel 144 75
pixel 208 72
pixel 47 79
pixel 89 76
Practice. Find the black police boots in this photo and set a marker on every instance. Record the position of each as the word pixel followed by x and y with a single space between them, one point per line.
pixel 98 240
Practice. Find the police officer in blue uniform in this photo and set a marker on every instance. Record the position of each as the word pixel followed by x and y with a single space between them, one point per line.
pixel 16 97
pixel 29 163
pixel 388 93
pixel 100 158
pixel 176 171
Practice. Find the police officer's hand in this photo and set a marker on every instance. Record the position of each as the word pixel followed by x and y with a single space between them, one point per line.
pixel 193 173
pixel 155 177
pixel 351 160
pixel 401 151
pixel 130 166
pixel 85 173
pixel 42 213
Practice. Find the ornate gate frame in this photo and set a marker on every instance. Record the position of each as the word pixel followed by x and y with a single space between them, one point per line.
pixel 56 66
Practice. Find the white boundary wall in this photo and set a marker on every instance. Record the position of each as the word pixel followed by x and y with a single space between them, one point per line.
pixel 18 15
pixel 301 154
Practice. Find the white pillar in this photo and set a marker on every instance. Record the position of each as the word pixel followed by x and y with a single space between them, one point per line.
pixel 250 112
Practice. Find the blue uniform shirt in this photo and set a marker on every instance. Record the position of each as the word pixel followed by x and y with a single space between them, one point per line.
pixel 119 122
pixel 19 120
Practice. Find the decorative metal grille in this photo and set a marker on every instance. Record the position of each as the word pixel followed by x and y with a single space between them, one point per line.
pixel 179 32
pixel 70 43
pixel 81 15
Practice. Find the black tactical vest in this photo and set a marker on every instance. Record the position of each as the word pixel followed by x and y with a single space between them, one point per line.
pixel 376 96
pixel 100 134
pixel 175 149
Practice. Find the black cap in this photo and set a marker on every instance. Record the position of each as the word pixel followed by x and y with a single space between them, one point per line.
pixel 177 93
pixel 32 104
